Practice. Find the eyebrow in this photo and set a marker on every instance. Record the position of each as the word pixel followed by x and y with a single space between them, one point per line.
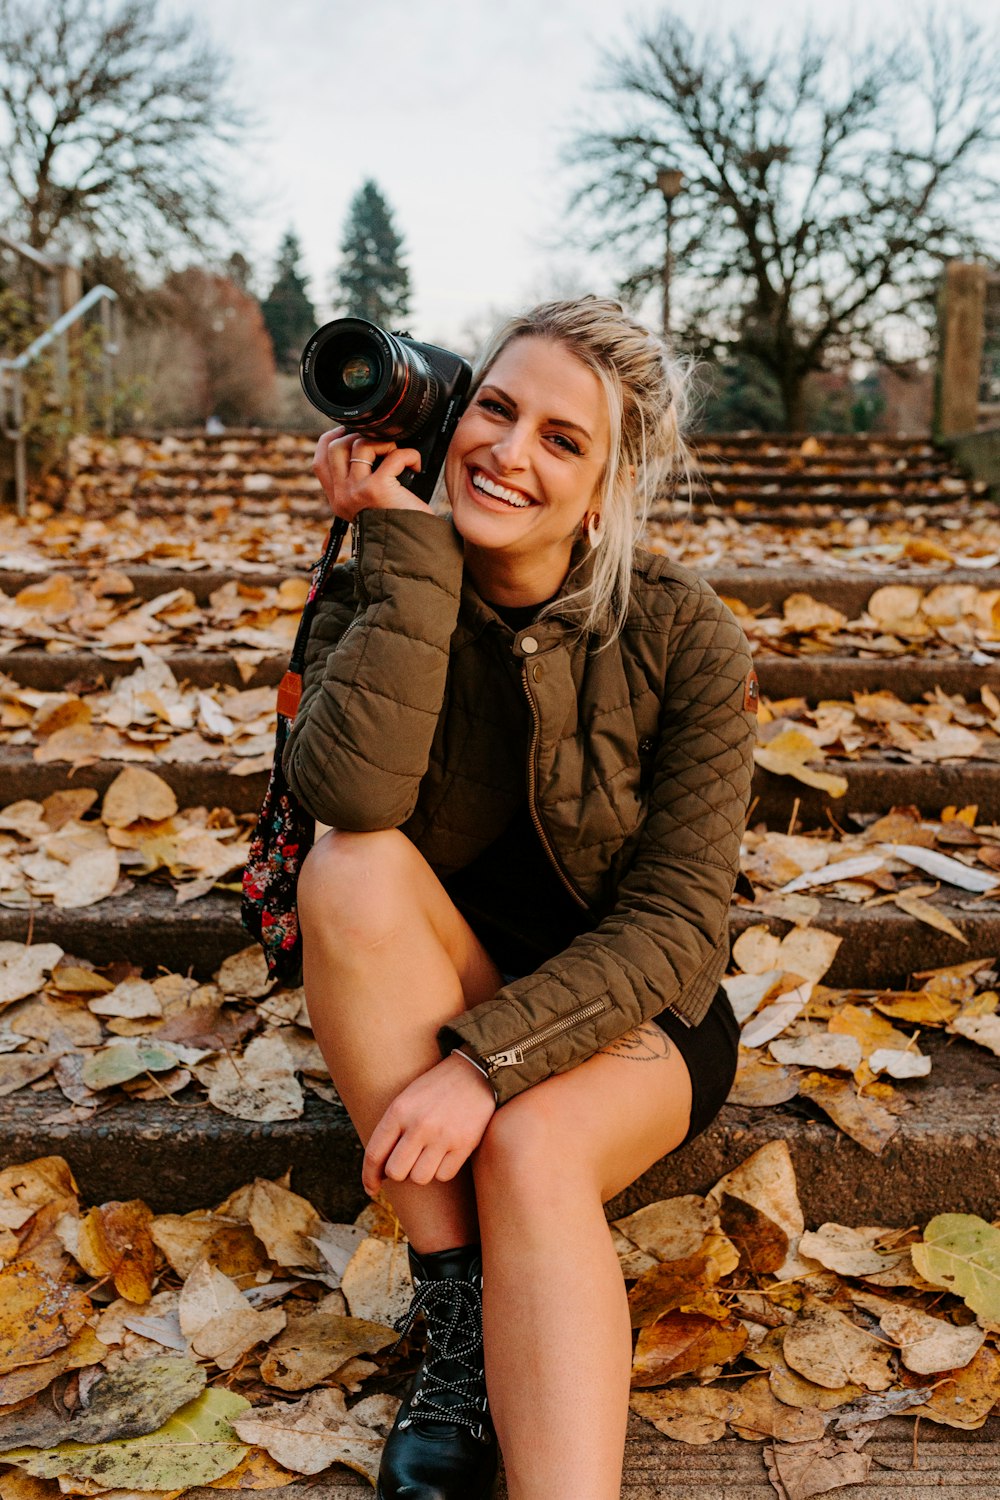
pixel 549 421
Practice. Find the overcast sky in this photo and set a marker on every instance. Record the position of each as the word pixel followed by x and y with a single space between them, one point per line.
pixel 457 108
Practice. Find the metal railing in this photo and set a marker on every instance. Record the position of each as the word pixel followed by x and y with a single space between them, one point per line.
pixel 12 377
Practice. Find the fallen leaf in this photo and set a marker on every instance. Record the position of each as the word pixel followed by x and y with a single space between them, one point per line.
pixel 961 1252
pixel 219 1322
pixel 115 1241
pixel 134 794
pixel 671 1228
pixel 376 1281
pixel 316 1344
pixel 260 1086
pixel 128 1402
pixel 689 1414
pixel 186 1239
pixel 684 1344
pixel 817 1049
pixel 914 906
pixel 672 1284
pixel 760 1082
pixel 787 755
pixel 967 1399
pixel 927 1345
pixel 23 971
pixel 852 1252
pixel 194 1446
pixel 762 1244
pixel 766 1180
pixel 309 1435
pixel 863 1119
pixel 805 1469
pixel 38 1315
pixel 284 1222
pixel 984 1030
pixel 828 1349
pixel 759 1414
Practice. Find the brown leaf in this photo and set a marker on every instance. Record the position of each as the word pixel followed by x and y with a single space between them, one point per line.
pixel 863 1119
pixel 671 1228
pixel 115 1241
pixel 759 1414
pixel 189 1238
pixel 761 1082
pixel 762 1244
pixel 684 1344
pixel 828 1349
pixel 673 1283
pixel 689 1414
pixel 283 1222
pixel 967 1399
pixel 316 1344
pixel 806 1469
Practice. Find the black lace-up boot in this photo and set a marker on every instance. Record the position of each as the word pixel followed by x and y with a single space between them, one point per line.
pixel 442 1445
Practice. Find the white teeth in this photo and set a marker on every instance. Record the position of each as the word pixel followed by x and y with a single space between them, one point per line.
pixel 511 497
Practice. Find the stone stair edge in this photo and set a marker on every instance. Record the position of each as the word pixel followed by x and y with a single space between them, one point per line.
pixel 881 947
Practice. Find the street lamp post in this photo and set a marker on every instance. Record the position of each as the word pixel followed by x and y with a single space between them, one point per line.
pixel 669 182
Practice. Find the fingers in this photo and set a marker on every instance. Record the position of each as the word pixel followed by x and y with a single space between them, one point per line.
pixel 345 465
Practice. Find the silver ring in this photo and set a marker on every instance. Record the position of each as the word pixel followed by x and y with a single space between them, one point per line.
pixel 367 461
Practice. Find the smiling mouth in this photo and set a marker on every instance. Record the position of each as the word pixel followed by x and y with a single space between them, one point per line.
pixel 484 486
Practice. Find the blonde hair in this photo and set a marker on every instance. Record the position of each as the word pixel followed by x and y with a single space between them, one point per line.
pixel 647 396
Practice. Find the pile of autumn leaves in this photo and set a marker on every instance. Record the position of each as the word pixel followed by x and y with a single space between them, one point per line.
pixel 246 1345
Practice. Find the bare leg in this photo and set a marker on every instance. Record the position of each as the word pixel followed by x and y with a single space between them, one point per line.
pixel 555 1314
pixel 387 960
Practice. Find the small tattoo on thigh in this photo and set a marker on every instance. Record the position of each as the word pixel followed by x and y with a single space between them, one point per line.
pixel 645 1043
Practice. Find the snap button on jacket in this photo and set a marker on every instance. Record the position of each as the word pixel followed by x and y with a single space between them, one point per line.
pixel 638 771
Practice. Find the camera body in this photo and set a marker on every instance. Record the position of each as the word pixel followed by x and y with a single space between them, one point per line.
pixel 388 387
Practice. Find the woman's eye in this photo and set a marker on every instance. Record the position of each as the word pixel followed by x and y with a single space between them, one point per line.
pixel 488 404
pixel 565 442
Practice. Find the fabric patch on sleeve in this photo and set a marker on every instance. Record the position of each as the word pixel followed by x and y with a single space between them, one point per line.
pixel 751 692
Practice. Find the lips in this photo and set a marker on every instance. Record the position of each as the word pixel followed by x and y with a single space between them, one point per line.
pixel 485 487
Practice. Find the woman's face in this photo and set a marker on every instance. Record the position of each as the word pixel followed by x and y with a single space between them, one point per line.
pixel 526 460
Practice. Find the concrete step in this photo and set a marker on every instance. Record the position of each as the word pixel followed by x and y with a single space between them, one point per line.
pixel 847 587
pixel 881 946
pixel 812 512
pixel 941 1463
pixel 814 676
pixel 178 1156
pixel 874 784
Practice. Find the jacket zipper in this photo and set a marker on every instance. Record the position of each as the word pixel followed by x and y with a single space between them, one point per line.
pixel 515 1054
pixel 535 815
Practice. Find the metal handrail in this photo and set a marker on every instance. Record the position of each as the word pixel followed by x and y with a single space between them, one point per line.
pixel 12 378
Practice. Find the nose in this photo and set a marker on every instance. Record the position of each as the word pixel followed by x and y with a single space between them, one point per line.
pixel 510 451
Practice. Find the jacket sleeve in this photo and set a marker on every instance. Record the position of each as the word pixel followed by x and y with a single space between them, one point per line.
pixel 667 933
pixel 376 666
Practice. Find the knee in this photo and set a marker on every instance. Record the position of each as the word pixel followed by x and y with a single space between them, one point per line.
pixel 527 1151
pixel 352 884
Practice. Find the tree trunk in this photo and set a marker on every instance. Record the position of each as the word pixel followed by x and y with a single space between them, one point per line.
pixel 793 393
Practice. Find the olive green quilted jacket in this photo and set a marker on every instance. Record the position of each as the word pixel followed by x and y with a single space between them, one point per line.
pixel 638 772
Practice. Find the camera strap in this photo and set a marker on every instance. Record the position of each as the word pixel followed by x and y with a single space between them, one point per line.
pixel 290 687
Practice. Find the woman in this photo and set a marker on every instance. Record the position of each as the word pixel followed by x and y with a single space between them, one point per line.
pixel 532 742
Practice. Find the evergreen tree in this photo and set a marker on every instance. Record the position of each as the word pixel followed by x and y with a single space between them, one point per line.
pixel 288 313
pixel 371 281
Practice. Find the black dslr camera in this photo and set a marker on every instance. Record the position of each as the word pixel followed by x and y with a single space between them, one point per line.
pixel 387 387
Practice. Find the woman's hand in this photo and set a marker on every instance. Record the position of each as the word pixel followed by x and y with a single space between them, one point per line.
pixel 344 466
pixel 432 1128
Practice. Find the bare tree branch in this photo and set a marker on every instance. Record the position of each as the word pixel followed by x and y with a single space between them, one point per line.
pixel 826 181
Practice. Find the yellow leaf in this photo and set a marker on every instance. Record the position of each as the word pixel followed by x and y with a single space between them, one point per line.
pixel 115 1241
pixel 787 754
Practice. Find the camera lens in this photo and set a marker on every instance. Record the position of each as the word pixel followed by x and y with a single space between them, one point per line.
pixel 371 381
pixel 359 373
